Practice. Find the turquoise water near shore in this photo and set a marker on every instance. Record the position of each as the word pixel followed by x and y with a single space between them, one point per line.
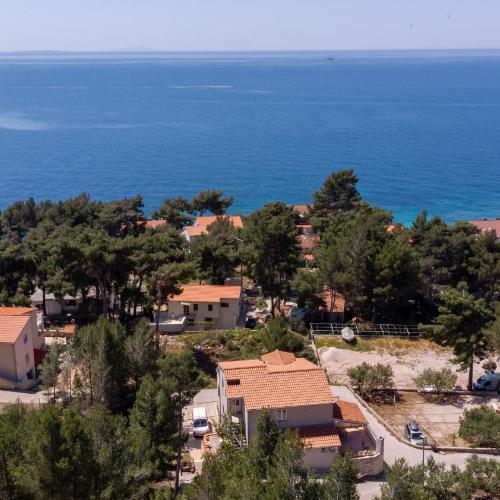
pixel 422 129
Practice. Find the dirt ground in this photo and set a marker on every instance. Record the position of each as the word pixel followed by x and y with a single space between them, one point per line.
pixel 438 419
pixel 407 358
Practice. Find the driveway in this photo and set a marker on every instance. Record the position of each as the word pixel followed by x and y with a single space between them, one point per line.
pixel 393 448
pixel 34 396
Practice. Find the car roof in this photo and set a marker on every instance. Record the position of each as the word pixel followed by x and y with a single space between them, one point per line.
pixel 199 413
pixel 412 424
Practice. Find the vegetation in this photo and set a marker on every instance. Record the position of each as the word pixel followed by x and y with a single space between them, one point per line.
pixel 438 380
pixel 269 467
pixel 480 427
pixel 433 481
pixel 116 433
pixel 367 379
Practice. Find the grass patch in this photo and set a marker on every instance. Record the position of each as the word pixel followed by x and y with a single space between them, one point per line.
pixel 394 345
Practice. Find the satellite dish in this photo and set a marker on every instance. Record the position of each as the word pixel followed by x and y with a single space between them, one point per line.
pixel 347 334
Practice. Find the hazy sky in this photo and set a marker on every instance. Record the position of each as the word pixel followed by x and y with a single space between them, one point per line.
pixel 248 24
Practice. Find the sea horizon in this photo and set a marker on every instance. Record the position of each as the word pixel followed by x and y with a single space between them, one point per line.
pixel 420 127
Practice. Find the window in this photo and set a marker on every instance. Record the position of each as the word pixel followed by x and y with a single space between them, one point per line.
pixel 236 402
pixel 210 307
pixel 224 304
pixel 195 307
pixel 25 338
pixel 186 309
pixel 282 415
pixel 27 357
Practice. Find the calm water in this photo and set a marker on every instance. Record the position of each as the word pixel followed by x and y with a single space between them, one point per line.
pixel 421 129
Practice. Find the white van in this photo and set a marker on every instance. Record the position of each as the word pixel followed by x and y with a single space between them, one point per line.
pixel 487 382
pixel 200 422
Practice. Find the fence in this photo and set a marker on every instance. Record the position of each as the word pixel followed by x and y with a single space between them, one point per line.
pixel 366 329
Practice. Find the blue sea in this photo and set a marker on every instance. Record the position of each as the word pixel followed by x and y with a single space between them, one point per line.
pixel 421 129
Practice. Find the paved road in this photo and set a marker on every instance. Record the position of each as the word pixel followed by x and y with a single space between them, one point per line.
pixel 34 396
pixel 393 448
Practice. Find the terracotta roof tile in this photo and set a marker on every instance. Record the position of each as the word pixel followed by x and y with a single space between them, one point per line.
pixel 487 225
pixel 207 293
pixel 265 385
pixel 206 220
pixel 11 327
pixel 195 230
pixel 343 410
pixel 16 311
pixel 301 209
pixel 278 358
pixel 320 436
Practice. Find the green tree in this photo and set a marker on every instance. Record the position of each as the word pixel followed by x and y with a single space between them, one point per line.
pixel 50 370
pixel 461 323
pixel 216 254
pixel 120 213
pixel 176 212
pixel 276 335
pixel 366 378
pixel 309 289
pixel 211 201
pixel 340 482
pixel 271 249
pixel 183 380
pixel 440 380
pixel 141 350
pixel 481 427
pixel 265 442
pixel 338 193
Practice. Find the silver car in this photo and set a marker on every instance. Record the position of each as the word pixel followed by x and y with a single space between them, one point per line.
pixel 413 433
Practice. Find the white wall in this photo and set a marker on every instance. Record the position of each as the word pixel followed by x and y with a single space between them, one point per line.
pixel 222 317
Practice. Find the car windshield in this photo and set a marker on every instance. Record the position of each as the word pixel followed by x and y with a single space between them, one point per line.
pixel 416 435
pixel 200 422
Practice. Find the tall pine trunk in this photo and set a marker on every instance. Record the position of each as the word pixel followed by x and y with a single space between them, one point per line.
pixel 471 374
pixel 179 450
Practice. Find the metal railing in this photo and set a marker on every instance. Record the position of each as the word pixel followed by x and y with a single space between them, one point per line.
pixel 366 329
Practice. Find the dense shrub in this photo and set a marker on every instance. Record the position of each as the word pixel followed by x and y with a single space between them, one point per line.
pixel 481 427
pixel 439 380
pixel 367 378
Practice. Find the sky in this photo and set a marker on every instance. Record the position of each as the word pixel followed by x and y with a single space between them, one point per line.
pixel 213 25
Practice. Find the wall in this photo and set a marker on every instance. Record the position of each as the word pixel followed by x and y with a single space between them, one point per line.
pixel 300 416
pixel 7 362
pixel 21 349
pixel 222 317
pixel 371 465
pixel 319 460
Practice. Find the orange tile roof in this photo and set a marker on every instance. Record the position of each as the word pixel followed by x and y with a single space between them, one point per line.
pixel 320 436
pixel 206 220
pixel 153 224
pixel 16 311
pixel 195 230
pixel 207 293
pixel 11 327
pixel 343 410
pixel 487 225
pixel 278 358
pixel 69 329
pixel 277 381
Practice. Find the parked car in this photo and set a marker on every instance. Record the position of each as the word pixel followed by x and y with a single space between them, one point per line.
pixel 413 433
pixel 487 382
pixel 200 422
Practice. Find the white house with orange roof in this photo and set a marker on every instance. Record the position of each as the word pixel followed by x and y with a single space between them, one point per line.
pixel 21 344
pixel 298 396
pixel 220 305
pixel 200 226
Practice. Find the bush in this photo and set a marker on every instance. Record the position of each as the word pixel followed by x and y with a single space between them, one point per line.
pixel 481 427
pixel 366 378
pixel 276 335
pixel 489 366
pixel 440 380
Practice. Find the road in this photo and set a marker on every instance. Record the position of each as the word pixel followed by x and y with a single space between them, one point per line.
pixel 34 396
pixel 393 448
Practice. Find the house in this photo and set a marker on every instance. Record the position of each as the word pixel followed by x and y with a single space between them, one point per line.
pixel 485 225
pixel 297 394
pixel 22 346
pixel 200 226
pixel 141 225
pixel 54 306
pixel 217 304
pixel 302 212
pixel 308 244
